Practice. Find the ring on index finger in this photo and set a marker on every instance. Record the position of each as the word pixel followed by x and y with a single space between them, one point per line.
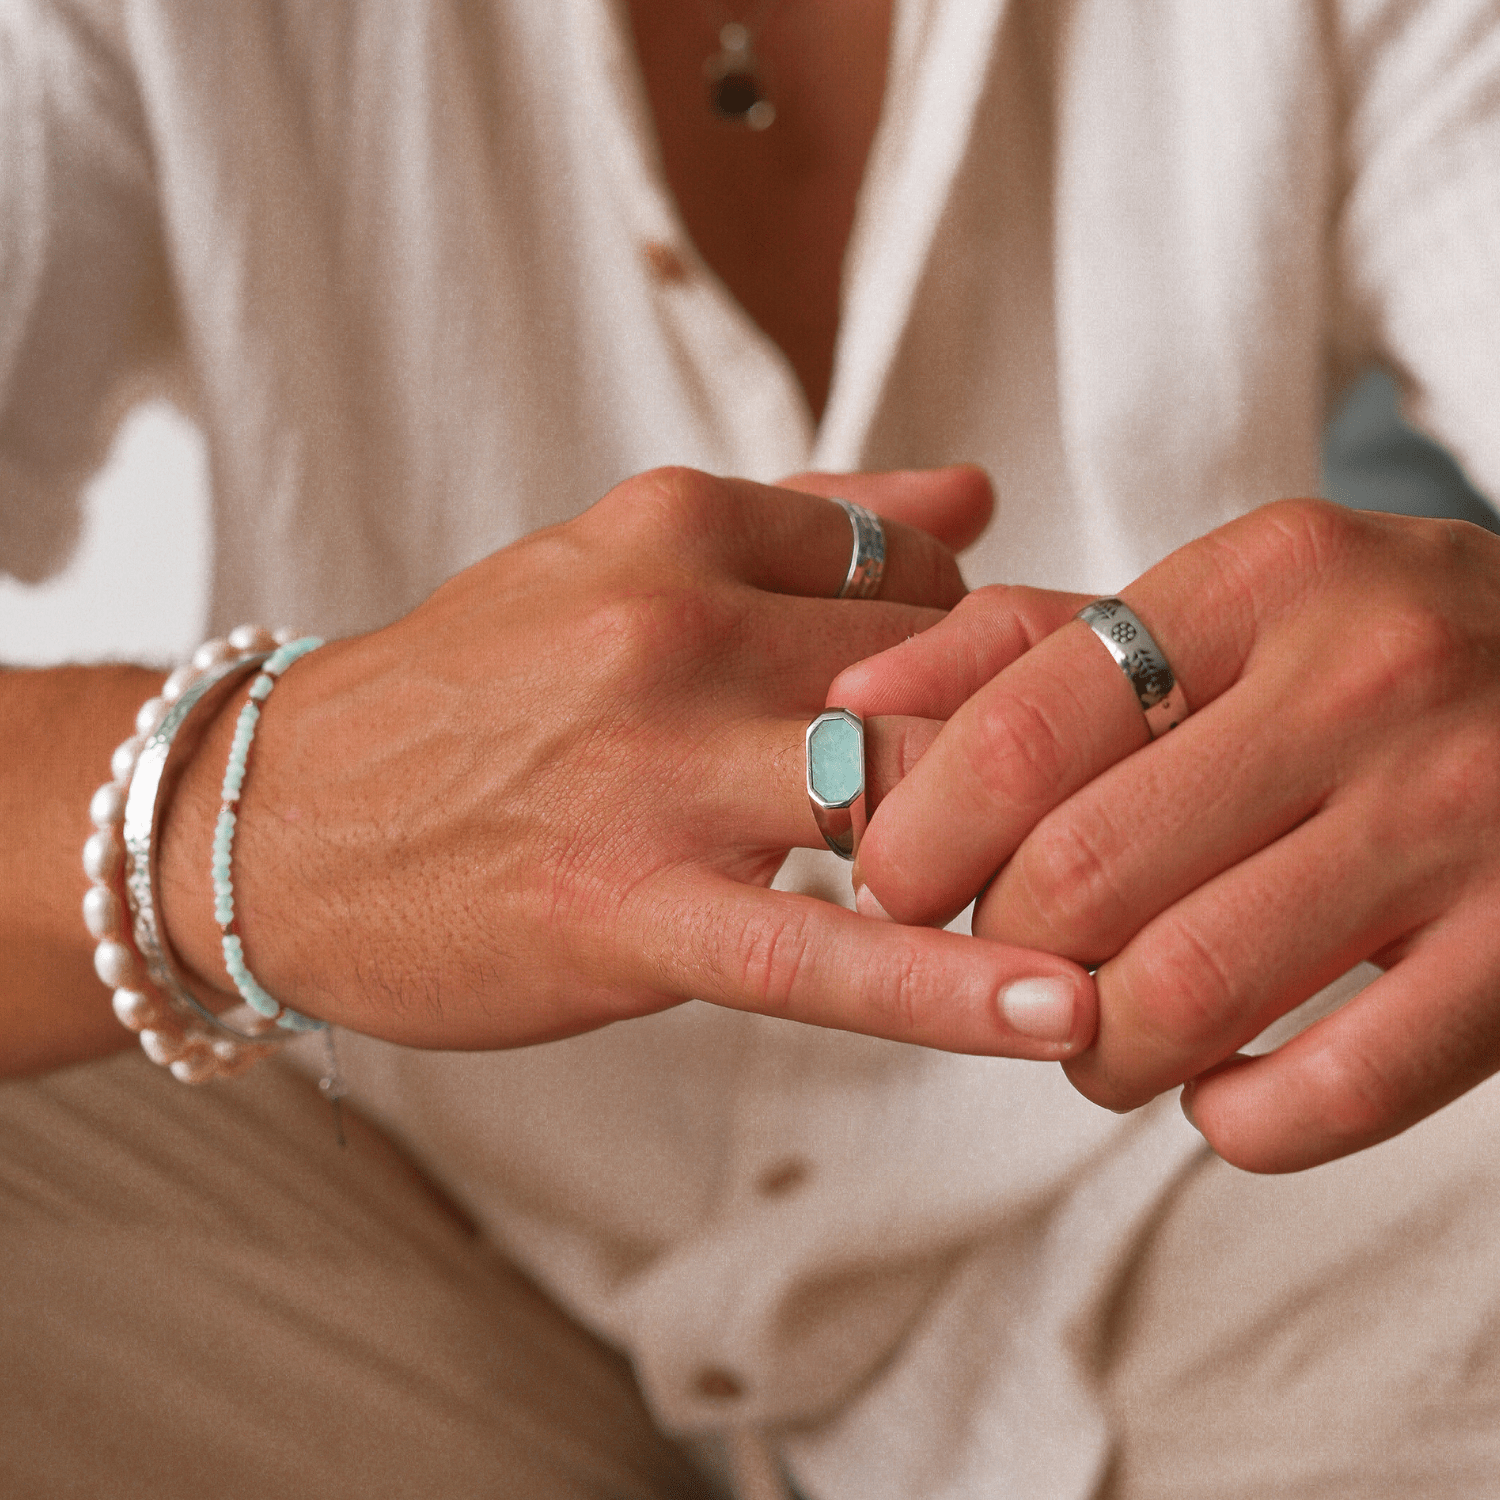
pixel 867 558
pixel 1157 689
pixel 836 778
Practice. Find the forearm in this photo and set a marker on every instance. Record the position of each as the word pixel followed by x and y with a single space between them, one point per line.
pixel 64 723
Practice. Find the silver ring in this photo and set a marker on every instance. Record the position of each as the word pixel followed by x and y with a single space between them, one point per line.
pixel 836 778
pixel 1156 686
pixel 867 560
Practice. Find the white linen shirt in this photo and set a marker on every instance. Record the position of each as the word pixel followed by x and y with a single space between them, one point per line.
pixel 1119 251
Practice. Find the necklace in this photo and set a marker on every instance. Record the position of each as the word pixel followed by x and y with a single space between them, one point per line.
pixel 735 92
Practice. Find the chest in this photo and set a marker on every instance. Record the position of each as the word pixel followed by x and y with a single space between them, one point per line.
pixel 770 210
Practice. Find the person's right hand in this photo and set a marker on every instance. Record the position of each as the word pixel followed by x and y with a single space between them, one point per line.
pixel 554 795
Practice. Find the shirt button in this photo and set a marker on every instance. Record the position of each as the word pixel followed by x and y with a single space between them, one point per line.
pixel 782 1177
pixel 719 1384
pixel 666 264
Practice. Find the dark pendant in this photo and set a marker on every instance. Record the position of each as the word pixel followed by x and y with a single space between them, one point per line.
pixel 734 95
pixel 733 74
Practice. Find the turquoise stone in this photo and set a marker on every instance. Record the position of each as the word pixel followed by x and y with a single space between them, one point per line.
pixel 836 761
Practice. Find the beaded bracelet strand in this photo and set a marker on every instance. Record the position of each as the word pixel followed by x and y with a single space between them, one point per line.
pixel 132 956
pixel 251 991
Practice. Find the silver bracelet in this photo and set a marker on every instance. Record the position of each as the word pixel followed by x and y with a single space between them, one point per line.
pixel 151 997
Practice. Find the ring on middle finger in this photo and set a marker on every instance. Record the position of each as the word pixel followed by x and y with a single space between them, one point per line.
pixel 836 778
pixel 1143 662
pixel 867 558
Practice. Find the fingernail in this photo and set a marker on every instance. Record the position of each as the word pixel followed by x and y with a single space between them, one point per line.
pixel 1185 1099
pixel 1042 1008
pixel 867 906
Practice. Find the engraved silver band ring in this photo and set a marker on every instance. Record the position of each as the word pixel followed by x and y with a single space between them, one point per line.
pixel 836 778
pixel 1156 686
pixel 867 559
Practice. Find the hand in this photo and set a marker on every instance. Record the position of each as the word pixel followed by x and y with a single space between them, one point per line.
pixel 1334 797
pixel 553 796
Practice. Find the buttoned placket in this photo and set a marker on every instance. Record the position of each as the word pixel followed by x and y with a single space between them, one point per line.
pixel 759 424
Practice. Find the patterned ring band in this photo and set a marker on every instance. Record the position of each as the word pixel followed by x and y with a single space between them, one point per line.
pixel 1129 642
pixel 867 559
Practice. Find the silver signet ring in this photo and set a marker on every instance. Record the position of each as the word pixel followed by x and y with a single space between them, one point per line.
pixel 836 778
pixel 1157 689
pixel 867 558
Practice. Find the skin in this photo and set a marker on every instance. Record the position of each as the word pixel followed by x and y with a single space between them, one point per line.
pixel 1344 667
pixel 549 798
pixel 358 726
pixel 1334 797
pixel 770 211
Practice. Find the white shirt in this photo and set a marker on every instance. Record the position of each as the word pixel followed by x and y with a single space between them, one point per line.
pixel 1120 253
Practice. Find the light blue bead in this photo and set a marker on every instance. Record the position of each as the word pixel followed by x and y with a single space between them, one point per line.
pixel 281 659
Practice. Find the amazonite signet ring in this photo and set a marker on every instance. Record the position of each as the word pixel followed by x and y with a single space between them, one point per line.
pixel 836 778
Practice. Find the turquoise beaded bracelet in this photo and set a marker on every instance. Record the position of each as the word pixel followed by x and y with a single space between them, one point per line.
pixel 229 796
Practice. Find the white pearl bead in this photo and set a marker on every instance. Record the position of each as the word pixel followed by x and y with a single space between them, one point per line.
pixel 196 1067
pixel 162 1047
pixel 284 635
pixel 103 913
pixel 137 1010
pixel 149 716
pixel 118 966
pixel 211 653
pixel 122 762
pixel 252 638
pixel 107 805
pixel 180 681
pixel 104 856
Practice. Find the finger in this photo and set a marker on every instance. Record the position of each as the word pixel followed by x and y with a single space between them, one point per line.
pixel 1217 968
pixel 778 540
pixel 954 504
pixel 787 650
pixel 1063 713
pixel 759 794
pixel 1422 1034
pixel 1155 826
pixel 932 674
pixel 802 959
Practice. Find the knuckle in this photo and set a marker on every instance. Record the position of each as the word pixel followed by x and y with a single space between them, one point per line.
pixel 1279 551
pixel 1187 997
pixel 1017 752
pixel 1404 661
pixel 635 637
pixel 1307 537
pixel 674 502
pixel 1067 870
pixel 772 957
pixel 1361 1093
pixel 904 994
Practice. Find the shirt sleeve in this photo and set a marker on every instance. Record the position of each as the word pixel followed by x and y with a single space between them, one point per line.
pixel 84 304
pixel 1417 242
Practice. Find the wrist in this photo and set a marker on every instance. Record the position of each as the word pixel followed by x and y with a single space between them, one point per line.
pixel 275 855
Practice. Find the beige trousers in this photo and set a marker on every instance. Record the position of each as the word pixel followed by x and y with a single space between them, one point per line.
pixel 201 1295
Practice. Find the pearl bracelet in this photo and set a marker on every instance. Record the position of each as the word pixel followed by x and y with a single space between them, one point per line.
pixel 151 998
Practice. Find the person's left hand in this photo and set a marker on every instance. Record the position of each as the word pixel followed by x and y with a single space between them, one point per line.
pixel 1334 797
